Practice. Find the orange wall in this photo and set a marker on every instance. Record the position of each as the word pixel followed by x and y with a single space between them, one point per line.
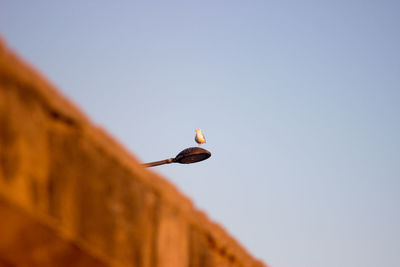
pixel 77 197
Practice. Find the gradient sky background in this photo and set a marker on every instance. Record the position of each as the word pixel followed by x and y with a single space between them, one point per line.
pixel 299 102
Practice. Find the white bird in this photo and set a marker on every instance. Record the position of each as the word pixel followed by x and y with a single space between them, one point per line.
pixel 199 138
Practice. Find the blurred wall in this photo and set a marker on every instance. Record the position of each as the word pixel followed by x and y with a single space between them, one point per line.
pixel 70 195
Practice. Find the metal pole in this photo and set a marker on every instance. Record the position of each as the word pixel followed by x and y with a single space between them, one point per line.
pixel 156 163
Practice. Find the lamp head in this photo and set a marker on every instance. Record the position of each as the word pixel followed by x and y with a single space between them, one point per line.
pixel 192 155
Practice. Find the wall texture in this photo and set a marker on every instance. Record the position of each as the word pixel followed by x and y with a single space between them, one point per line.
pixel 70 195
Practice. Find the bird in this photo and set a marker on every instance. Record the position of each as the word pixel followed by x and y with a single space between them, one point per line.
pixel 199 138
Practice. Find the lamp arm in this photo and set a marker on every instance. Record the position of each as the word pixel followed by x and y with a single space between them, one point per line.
pixel 156 163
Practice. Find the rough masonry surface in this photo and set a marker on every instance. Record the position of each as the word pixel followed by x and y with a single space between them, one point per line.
pixel 70 195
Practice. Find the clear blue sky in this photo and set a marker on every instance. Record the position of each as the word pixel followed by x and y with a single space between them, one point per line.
pixel 299 102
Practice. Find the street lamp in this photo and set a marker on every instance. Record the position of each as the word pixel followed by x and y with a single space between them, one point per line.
pixel 186 156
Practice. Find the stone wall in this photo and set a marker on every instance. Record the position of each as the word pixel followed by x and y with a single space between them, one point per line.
pixel 70 195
